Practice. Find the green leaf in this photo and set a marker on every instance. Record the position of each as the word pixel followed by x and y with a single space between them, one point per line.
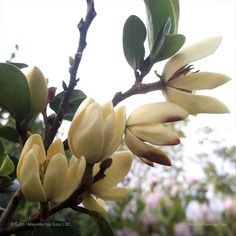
pixel 158 12
pixel 102 223
pixel 134 35
pixel 14 91
pixel 76 99
pixel 175 4
pixel 160 40
pixel 17 64
pixel 6 166
pixel 171 44
pixel 9 133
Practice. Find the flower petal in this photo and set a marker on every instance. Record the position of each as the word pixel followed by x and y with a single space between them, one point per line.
pixel 93 204
pixel 88 137
pixel 28 176
pixel 155 134
pixel 34 139
pixel 112 194
pixel 146 161
pixel 154 113
pixel 121 164
pixel 120 122
pixel 190 54
pixel 199 81
pixel 109 125
pixel 55 148
pixel 195 104
pixel 72 179
pixel 76 120
pixel 144 150
pixel 54 176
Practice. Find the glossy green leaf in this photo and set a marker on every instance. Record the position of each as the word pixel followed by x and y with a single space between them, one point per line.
pixel 160 40
pixel 14 91
pixel 175 4
pixel 158 12
pixel 75 100
pixel 134 35
pixel 102 223
pixel 6 166
pixel 9 133
pixel 17 64
pixel 171 44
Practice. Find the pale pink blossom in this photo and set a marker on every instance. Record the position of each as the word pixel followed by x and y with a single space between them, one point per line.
pixel 182 229
pixel 153 199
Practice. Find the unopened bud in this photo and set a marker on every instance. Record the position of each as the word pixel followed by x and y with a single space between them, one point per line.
pixel 38 90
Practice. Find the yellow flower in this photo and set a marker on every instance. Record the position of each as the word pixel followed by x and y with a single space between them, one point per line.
pixel 50 177
pixel 180 82
pixel 105 189
pixel 96 131
pixel 144 126
pixel 38 91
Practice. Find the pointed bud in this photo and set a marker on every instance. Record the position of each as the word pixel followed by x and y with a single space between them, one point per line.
pixel 38 90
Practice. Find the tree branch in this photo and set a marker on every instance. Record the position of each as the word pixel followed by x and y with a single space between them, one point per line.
pixel 83 27
pixel 11 207
pixel 137 88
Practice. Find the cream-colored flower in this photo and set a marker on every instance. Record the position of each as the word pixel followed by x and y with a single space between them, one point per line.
pixel 144 126
pixel 105 189
pixel 50 177
pixel 180 82
pixel 38 91
pixel 96 131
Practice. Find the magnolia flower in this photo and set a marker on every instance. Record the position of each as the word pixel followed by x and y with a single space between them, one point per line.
pixel 50 177
pixel 105 188
pixel 96 131
pixel 144 126
pixel 180 82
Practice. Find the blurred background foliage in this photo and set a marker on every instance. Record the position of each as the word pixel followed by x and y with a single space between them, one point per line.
pixel 178 200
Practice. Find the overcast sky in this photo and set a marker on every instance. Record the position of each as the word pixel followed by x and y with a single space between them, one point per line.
pixel 47 35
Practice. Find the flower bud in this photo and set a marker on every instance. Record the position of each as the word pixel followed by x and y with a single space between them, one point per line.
pixel 50 177
pixel 96 131
pixel 38 91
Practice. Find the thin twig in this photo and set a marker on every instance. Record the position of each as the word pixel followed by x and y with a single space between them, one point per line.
pixel 11 207
pixel 137 88
pixel 83 27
